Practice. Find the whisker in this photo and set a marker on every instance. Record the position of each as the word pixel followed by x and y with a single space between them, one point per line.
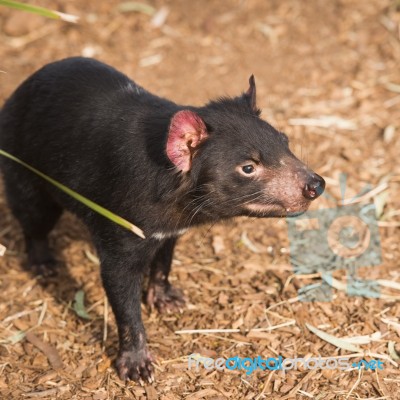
pixel 196 210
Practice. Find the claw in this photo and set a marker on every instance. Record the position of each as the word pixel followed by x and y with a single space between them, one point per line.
pixel 135 365
pixel 165 299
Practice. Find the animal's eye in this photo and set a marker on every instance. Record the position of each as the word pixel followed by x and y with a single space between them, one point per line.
pixel 248 169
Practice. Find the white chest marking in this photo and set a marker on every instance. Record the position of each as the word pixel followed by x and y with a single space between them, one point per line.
pixel 168 235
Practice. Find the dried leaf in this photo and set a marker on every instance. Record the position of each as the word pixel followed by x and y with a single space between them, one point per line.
pixel 331 281
pixel 341 343
pixel 380 201
pixel 364 339
pixel 392 351
pixel 389 284
pixel 47 349
pixel 136 6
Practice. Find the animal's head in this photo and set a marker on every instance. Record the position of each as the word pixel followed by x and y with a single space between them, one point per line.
pixel 238 163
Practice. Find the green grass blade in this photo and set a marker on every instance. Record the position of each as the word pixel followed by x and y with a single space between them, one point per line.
pixel 44 12
pixel 94 206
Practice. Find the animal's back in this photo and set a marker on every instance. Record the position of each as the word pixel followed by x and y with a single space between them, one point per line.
pixel 66 101
pixel 76 120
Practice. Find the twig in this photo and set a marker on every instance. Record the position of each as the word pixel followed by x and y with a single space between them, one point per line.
pixel 227 339
pixel 42 313
pixel 20 314
pixel 356 383
pixel 267 329
pixel 366 196
pixel 299 385
pixel 329 121
pixel 265 385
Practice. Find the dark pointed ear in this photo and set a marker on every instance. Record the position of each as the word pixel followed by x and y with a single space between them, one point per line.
pixel 250 95
pixel 186 132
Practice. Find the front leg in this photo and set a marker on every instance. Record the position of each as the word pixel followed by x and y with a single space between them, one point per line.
pixel 122 265
pixel 161 294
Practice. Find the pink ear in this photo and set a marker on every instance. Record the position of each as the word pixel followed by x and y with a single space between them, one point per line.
pixel 186 131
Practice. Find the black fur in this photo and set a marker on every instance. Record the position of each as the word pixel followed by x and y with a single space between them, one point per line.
pixel 91 128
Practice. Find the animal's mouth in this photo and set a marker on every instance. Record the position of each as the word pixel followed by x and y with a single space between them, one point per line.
pixel 276 209
pixel 295 213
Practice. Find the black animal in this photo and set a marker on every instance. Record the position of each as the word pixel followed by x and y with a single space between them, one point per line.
pixel 163 166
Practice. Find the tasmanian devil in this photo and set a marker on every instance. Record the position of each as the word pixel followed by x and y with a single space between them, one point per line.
pixel 163 166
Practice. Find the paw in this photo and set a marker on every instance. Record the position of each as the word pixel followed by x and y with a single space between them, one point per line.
pixel 135 365
pixel 46 269
pixel 165 298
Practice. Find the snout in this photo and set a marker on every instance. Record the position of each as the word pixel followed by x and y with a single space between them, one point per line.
pixel 314 187
pixel 288 191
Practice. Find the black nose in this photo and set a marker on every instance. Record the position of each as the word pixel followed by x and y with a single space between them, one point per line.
pixel 314 187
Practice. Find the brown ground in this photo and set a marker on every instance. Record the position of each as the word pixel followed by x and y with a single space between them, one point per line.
pixel 311 59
